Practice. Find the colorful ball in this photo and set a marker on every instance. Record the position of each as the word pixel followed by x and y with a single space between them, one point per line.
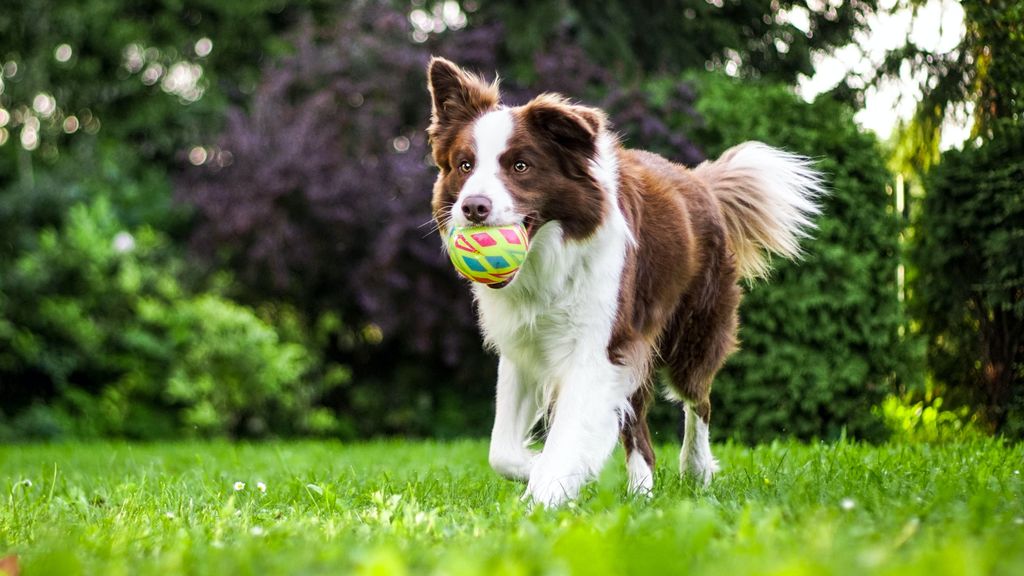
pixel 486 254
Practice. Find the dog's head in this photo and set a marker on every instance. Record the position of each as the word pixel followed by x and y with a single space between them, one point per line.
pixel 529 165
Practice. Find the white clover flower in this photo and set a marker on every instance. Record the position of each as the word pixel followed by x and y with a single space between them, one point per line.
pixel 239 486
pixel 261 487
pixel 169 515
pixel 256 531
pixel 847 504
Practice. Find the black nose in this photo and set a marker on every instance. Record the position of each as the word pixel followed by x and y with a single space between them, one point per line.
pixel 476 208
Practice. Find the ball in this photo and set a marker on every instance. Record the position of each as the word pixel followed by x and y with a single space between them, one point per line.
pixel 488 254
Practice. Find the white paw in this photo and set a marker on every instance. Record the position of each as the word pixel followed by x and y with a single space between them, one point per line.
pixel 550 489
pixel 641 477
pixel 513 467
pixel 703 468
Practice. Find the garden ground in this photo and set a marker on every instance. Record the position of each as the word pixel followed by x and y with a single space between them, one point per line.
pixel 425 507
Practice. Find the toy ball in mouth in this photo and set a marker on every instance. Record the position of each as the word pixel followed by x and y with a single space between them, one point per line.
pixel 489 255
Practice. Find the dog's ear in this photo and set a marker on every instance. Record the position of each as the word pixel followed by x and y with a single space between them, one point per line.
pixel 573 128
pixel 457 95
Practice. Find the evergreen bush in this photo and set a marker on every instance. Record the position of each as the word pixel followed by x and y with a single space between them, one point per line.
pixel 820 344
pixel 98 336
pixel 968 293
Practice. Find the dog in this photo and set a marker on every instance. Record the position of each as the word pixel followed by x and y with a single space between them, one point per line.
pixel 633 267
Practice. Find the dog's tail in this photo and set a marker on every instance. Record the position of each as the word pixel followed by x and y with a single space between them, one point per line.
pixel 768 198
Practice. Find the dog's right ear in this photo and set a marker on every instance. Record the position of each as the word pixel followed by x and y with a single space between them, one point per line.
pixel 457 96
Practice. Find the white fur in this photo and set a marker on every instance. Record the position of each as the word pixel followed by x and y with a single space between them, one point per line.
pixel 641 477
pixel 490 138
pixel 695 456
pixel 552 325
pixel 518 409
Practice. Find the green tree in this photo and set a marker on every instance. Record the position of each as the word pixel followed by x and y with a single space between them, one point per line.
pixel 152 74
pixel 819 340
pixel 985 73
pixel 969 289
pixel 761 38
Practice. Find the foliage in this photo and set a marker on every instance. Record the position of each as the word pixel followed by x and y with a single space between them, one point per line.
pixel 319 195
pixel 984 73
pixel 819 340
pixel 760 38
pixel 138 73
pixel 423 508
pixel 969 289
pixel 926 420
pixel 95 323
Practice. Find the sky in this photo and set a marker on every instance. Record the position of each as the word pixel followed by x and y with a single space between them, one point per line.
pixel 937 26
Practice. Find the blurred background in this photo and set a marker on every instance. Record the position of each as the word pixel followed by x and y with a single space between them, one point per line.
pixel 214 215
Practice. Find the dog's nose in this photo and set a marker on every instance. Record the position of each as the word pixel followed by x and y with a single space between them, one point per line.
pixel 476 208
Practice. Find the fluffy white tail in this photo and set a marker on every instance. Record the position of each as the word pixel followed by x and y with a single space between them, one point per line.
pixel 768 198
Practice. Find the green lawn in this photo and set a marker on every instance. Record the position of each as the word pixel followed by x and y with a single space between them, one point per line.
pixel 412 507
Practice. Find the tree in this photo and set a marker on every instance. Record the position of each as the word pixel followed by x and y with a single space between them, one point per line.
pixel 965 249
pixel 969 290
pixel 985 74
pixel 819 343
pixel 772 39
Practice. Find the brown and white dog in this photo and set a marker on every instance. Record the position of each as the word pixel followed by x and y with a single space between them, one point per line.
pixel 633 265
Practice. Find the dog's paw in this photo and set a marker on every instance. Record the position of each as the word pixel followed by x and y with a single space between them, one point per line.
pixel 701 469
pixel 552 488
pixel 513 466
pixel 641 477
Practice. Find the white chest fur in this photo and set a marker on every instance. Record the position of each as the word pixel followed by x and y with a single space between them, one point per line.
pixel 558 313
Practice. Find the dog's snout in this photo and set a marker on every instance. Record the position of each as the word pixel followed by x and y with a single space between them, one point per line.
pixel 476 208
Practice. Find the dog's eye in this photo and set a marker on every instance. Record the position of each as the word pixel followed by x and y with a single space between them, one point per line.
pixel 520 166
pixel 465 167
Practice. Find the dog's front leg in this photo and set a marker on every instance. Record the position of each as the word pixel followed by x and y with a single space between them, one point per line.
pixel 583 432
pixel 516 411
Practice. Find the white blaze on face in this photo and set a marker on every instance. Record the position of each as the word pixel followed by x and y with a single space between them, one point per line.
pixel 491 133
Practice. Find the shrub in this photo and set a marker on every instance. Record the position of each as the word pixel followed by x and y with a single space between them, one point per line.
pixel 819 340
pixel 102 338
pixel 968 293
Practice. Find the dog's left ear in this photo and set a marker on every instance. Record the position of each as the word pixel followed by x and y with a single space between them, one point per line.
pixel 572 127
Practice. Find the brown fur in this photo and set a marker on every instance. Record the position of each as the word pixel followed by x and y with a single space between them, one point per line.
pixel 556 139
pixel 679 293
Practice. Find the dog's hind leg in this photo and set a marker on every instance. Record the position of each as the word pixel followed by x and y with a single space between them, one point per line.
pixel 703 335
pixel 517 409
pixel 636 440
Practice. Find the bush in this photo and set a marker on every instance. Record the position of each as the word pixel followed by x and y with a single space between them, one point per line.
pixel 915 417
pixel 819 340
pixel 968 293
pixel 102 338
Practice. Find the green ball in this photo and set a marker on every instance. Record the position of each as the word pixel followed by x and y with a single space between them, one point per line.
pixel 488 254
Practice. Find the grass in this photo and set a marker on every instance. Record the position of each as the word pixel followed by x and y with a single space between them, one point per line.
pixel 421 507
